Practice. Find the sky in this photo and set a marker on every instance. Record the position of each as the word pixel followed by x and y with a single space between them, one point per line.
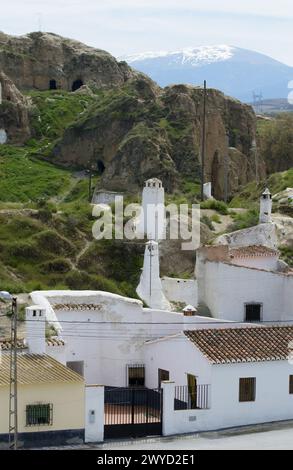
pixel 128 26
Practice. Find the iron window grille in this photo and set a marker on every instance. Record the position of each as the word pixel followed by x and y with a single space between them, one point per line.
pixel 247 389
pixel 39 415
pixel 253 312
pixel 136 375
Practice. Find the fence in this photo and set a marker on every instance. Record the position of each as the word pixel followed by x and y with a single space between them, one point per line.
pixel 191 398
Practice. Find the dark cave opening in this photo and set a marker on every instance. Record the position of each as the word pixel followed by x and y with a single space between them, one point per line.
pixel 52 85
pixel 100 167
pixel 76 85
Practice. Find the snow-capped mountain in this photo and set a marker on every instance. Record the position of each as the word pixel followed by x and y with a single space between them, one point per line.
pixel 237 72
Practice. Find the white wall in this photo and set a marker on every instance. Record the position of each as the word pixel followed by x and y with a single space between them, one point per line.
pixel 113 336
pixel 226 288
pixel 179 357
pixel 150 288
pixel 180 290
pixel 269 263
pixel 94 413
pixel 273 401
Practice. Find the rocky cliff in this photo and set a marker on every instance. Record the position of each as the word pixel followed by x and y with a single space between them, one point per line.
pixel 46 61
pixel 132 130
pixel 142 131
pixel 14 113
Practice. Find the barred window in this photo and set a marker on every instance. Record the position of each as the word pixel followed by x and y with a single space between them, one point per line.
pixel 253 312
pixel 136 375
pixel 39 415
pixel 291 384
pixel 247 388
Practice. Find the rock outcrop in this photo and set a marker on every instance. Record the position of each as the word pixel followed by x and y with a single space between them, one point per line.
pixel 46 61
pixel 144 131
pixel 134 130
pixel 14 113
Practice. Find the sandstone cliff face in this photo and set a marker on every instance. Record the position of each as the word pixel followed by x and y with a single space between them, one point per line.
pixel 134 130
pixel 14 113
pixel 146 131
pixel 46 61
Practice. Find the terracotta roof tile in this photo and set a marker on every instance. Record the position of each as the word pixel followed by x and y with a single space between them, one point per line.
pixel 76 307
pixel 5 344
pixel 246 344
pixel 253 250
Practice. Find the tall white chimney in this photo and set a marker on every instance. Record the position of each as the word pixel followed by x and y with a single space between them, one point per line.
pixel 35 317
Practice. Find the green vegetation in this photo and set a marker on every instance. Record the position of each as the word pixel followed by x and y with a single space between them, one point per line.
pixel 45 218
pixel 276 142
pixel 218 206
pixel 24 179
pixel 55 110
pixel 244 220
pixel 287 255
pixel 250 194
pixel 207 221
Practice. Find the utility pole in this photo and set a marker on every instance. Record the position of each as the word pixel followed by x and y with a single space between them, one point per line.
pixel 13 422
pixel 255 152
pixel 203 141
pixel 226 170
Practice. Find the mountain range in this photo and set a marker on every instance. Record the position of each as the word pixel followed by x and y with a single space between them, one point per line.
pixel 237 72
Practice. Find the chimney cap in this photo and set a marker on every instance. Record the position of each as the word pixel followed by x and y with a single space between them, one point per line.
pixel 189 308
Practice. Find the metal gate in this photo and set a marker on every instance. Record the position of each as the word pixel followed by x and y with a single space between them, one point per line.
pixel 132 412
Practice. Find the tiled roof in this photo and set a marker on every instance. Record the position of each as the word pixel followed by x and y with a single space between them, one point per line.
pixel 5 344
pixel 76 307
pixel 54 341
pixel 246 344
pixel 33 368
pixel 253 250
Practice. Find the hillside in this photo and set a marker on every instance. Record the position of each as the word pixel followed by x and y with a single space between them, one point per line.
pixel 126 132
pixel 117 120
pixel 235 71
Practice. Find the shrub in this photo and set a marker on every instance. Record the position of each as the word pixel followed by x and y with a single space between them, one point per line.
pixel 24 249
pixel 59 265
pixel 245 220
pixel 50 241
pixel 218 206
pixel 207 221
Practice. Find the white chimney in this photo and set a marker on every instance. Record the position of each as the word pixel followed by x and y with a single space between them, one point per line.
pixel 265 207
pixel 35 317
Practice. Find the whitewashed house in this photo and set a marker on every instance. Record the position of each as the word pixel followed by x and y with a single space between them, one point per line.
pixel 247 284
pixel 104 333
pixel 221 378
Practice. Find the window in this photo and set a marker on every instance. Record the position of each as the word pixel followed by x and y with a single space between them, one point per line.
pixel 39 415
pixel 247 388
pixel 76 366
pixel 163 375
pixel 253 312
pixel 291 384
pixel 136 375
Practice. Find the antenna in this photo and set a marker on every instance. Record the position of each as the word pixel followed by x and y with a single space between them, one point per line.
pixel 39 21
pixel 203 142
pixel 226 163
pixel 258 101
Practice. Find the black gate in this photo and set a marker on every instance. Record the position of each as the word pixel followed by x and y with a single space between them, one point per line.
pixel 132 412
